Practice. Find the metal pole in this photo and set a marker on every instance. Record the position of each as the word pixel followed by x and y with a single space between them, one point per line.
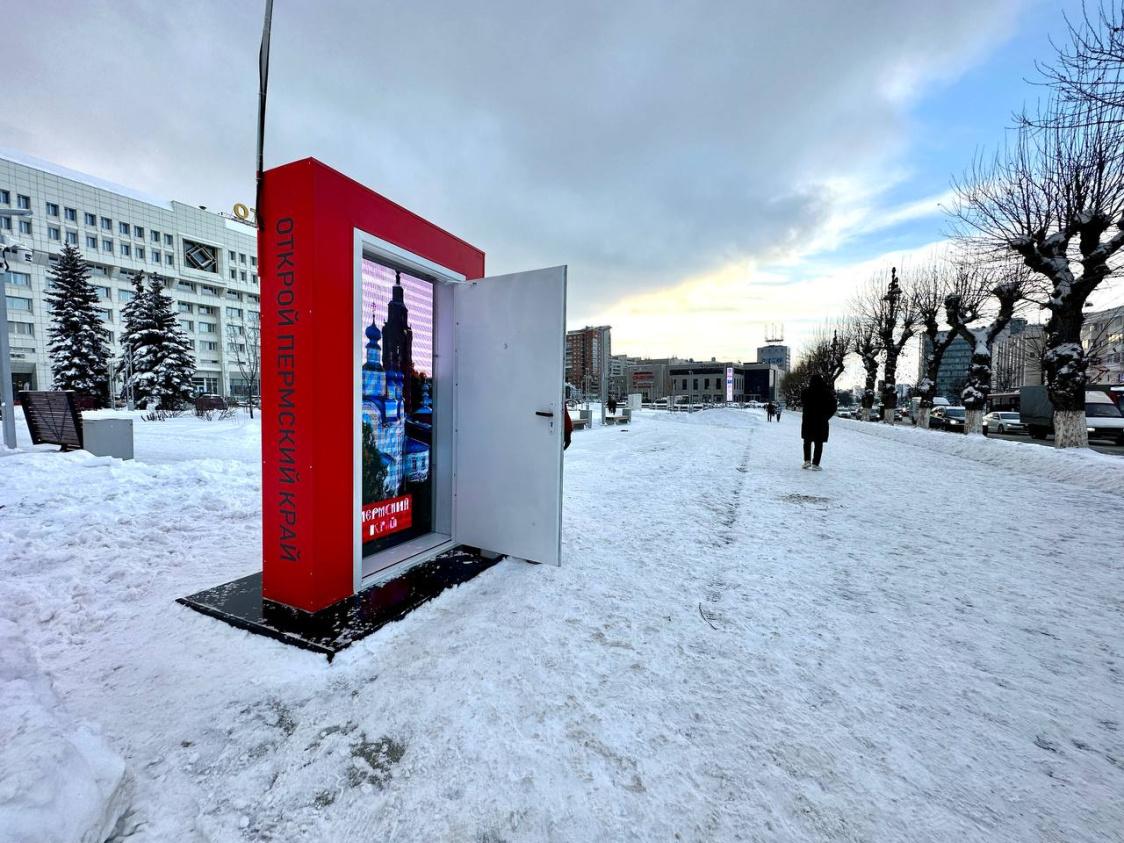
pixel 6 370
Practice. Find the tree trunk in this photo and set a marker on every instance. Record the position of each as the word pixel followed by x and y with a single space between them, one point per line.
pixel 1070 429
pixel 1065 364
pixel 973 421
pixel 923 417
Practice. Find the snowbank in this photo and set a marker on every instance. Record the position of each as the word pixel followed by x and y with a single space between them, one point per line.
pixel 1076 466
pixel 59 779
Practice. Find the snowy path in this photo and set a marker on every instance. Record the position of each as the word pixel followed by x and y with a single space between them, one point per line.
pixel 733 649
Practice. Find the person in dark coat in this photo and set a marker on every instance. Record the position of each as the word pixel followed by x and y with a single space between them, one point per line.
pixel 567 428
pixel 819 406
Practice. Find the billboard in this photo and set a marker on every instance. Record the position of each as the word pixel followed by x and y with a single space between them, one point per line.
pixel 729 384
pixel 397 407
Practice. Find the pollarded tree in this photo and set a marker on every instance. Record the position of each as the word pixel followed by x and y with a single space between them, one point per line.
pixel 1055 198
pixel 1007 289
pixel 78 339
pixel 933 285
pixel 868 348
pixel 896 322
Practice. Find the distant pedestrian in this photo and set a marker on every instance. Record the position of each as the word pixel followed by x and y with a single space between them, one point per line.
pixel 567 428
pixel 778 412
pixel 612 406
pixel 819 406
pixel 770 410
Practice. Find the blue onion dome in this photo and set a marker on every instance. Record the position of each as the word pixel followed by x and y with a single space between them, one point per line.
pixel 373 334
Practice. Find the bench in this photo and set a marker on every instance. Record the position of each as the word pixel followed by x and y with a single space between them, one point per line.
pixel 53 419
pixel 580 423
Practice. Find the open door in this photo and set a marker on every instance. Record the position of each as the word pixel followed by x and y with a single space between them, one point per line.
pixel 510 334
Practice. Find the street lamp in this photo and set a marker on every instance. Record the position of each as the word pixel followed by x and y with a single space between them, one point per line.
pixel 7 402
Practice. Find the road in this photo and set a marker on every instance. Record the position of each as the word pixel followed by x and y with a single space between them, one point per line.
pixel 1101 446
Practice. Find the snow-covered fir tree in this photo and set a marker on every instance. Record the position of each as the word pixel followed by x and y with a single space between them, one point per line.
pixel 78 339
pixel 172 384
pixel 158 362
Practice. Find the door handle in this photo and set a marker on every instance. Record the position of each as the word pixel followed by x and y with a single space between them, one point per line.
pixel 546 414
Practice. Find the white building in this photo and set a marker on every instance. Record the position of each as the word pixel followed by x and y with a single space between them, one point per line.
pixel 208 261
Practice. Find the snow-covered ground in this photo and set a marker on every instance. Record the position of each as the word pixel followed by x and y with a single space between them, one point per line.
pixel 922 642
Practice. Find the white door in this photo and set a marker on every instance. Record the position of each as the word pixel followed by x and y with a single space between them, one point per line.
pixel 510 335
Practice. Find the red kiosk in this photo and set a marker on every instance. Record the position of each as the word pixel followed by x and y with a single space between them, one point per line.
pixel 411 409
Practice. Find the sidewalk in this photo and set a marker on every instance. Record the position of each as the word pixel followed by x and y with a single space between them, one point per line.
pixel 733 648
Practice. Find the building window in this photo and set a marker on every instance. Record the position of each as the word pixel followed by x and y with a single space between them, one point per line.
pixel 200 256
pixel 103 292
pixel 234 295
pixel 168 258
pixel 72 238
pixel 207 328
pixel 241 257
pixel 156 256
pixel 155 235
pixel 125 250
pixel 54 232
pixel 243 275
pixel 138 231
pixel 231 253
pixel 89 219
pixel 123 228
pixel 5 197
pixel 22 329
pixel 125 295
pixel 208 291
pixel 187 325
pixel 19 279
pixel 52 209
pixel 107 246
pixel 140 253
pixel 71 214
pixel 234 275
pixel 25 226
pixel 185 307
pixel 206 310
pixel 107 223
pixel 23 202
pixel 168 241
pixel 234 312
pixel 6 223
pixel 185 285
pixel 106 315
pixel 253 260
pixel 204 345
pixel 91 242
pixel 18 303
pixel 100 270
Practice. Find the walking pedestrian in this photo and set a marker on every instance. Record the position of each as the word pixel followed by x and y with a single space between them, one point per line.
pixel 769 410
pixel 819 405
pixel 778 412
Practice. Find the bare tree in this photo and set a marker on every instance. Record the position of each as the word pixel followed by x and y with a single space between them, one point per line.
pixel 867 347
pixel 1007 286
pixel 1090 69
pixel 244 344
pixel 1055 197
pixel 933 285
pixel 896 320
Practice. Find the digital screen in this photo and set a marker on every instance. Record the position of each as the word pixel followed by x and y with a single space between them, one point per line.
pixel 730 384
pixel 397 407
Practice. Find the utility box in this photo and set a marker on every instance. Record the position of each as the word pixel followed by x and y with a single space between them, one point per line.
pixel 108 437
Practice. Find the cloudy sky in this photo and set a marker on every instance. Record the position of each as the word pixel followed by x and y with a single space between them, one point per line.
pixel 704 168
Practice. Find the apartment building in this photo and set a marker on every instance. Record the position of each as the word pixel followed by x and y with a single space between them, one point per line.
pixel 208 261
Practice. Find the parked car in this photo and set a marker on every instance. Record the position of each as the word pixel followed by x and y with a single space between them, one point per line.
pixel 1003 422
pixel 1103 417
pixel 948 418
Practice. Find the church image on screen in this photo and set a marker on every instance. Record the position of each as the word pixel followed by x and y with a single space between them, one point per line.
pixel 397 412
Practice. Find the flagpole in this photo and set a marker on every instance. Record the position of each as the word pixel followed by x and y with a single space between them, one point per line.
pixel 263 85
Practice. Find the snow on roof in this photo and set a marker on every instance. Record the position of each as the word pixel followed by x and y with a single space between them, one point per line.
pixel 74 175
